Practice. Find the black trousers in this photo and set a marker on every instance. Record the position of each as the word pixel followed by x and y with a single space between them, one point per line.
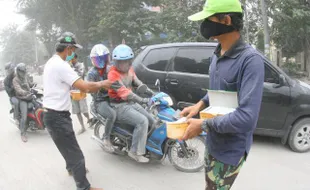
pixel 59 126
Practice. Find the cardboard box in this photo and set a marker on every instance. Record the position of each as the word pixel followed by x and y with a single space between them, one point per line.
pixel 221 103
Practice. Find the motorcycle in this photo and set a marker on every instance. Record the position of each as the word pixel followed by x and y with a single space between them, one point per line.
pixel 35 112
pixel 185 156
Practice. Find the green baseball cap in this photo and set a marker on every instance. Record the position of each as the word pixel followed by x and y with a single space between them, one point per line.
pixel 212 7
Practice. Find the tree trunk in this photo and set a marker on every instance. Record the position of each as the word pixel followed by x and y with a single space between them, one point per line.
pixel 306 58
pixel 266 32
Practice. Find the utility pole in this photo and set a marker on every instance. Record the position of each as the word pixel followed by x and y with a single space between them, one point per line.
pixel 266 32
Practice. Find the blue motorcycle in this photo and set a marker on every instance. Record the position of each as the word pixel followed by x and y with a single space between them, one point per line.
pixel 186 156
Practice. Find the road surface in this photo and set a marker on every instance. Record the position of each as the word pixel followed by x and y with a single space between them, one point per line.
pixel 37 165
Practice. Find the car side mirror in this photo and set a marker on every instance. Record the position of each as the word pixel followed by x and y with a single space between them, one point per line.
pixel 157 84
pixel 282 81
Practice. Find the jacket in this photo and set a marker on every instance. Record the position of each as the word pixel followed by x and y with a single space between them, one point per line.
pixel 8 85
pixel 122 86
pixel 94 76
pixel 241 70
pixel 22 89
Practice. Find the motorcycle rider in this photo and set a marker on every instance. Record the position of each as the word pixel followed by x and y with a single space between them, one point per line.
pixel 23 93
pixel 100 58
pixel 8 85
pixel 127 103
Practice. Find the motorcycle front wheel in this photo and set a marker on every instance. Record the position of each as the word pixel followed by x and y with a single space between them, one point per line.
pixel 190 161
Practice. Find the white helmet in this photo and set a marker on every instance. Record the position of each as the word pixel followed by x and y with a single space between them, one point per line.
pixel 100 56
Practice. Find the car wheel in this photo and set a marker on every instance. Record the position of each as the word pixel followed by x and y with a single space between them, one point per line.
pixel 299 139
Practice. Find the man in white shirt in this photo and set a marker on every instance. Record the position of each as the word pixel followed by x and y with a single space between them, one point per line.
pixel 58 79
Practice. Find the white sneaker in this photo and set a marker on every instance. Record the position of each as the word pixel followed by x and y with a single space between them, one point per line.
pixel 108 146
pixel 138 158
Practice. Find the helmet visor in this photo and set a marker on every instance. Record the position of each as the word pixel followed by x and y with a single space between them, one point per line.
pixel 100 61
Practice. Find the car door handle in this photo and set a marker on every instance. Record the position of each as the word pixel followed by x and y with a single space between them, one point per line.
pixel 174 82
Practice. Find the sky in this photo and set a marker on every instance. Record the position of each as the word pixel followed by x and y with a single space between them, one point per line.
pixel 8 14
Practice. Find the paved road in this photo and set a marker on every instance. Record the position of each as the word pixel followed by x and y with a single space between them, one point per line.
pixel 37 165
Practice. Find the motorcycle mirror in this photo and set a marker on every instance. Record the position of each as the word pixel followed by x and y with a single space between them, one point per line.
pixel 141 89
pixel 157 84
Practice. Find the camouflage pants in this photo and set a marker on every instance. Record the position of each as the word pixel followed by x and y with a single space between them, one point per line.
pixel 220 176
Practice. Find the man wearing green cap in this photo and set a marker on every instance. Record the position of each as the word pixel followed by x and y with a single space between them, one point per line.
pixel 238 67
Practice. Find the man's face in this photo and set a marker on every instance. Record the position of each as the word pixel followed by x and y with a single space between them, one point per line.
pixel 226 20
pixel 70 50
pixel 124 65
pixel 124 62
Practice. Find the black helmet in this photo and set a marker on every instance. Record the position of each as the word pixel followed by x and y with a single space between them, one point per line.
pixel 21 67
pixel 8 66
pixel 21 71
pixel 68 39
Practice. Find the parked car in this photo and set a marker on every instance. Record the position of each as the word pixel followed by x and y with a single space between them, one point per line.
pixel 182 69
pixel 1 83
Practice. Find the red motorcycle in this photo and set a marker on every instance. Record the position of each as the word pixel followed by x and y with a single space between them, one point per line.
pixel 35 112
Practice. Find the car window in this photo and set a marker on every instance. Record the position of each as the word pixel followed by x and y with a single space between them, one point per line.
pixel 158 59
pixel 271 76
pixel 193 60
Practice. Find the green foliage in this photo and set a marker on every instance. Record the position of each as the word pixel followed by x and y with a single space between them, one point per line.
pixel 291 26
pixel 98 21
pixel 175 23
pixel 293 69
pixel 52 17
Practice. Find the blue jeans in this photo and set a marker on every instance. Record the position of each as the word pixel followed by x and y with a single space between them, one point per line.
pixel 105 110
pixel 23 106
pixel 59 126
pixel 15 104
pixel 136 116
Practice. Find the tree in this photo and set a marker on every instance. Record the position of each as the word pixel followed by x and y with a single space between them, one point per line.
pixel 17 46
pixel 52 17
pixel 174 20
pixel 291 27
pixel 117 20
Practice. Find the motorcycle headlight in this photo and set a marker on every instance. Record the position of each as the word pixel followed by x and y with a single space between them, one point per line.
pixel 169 100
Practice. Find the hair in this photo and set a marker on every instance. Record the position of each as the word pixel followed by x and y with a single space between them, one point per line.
pixel 60 47
pixel 236 19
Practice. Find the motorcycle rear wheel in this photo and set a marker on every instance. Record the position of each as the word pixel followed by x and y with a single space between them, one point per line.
pixel 195 161
pixel 99 130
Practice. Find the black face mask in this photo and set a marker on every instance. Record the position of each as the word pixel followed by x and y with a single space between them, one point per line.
pixel 210 29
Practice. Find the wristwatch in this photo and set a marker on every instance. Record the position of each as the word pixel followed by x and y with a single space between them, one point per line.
pixel 205 125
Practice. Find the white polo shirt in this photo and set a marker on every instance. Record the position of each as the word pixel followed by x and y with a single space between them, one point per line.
pixel 58 79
